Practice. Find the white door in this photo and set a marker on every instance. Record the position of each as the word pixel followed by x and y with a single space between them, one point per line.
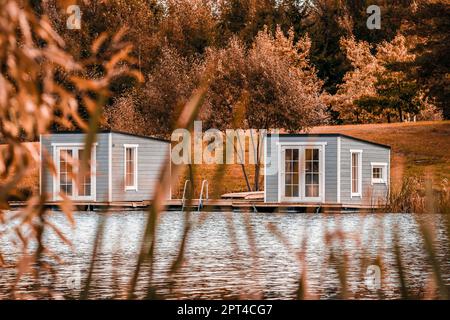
pixel 68 159
pixel 313 174
pixel 290 174
pixel 302 173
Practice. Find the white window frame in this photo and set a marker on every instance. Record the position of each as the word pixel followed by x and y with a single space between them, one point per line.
pixel 359 193
pixel 283 174
pixel 135 151
pixel 301 146
pixel 383 166
pixel 57 147
pixel 320 197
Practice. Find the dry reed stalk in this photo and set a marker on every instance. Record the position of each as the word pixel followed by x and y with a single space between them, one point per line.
pixel 166 179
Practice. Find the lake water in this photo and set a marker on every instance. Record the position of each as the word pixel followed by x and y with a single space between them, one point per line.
pixel 240 255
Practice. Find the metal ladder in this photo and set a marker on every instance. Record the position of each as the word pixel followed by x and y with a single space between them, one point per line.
pixel 183 200
pixel 200 201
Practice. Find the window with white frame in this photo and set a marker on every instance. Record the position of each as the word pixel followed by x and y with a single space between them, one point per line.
pixel 131 167
pixel 356 172
pixel 379 172
pixel 312 173
pixel 68 180
pixel 65 171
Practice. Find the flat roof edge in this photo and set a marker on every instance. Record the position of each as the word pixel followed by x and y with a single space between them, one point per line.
pixel 329 135
pixel 112 131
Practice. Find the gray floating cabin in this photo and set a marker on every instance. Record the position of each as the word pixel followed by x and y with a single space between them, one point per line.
pixel 326 169
pixel 123 167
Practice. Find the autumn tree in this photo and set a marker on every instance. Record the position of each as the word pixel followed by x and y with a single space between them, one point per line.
pixel 141 19
pixel 189 26
pixel 328 21
pixel 377 88
pixel 358 82
pixel 427 26
pixel 123 115
pixel 270 85
pixel 395 94
pixel 167 87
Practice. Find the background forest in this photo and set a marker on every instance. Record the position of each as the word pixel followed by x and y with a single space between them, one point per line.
pixel 275 63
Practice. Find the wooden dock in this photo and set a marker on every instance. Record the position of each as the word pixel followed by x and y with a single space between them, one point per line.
pixel 213 205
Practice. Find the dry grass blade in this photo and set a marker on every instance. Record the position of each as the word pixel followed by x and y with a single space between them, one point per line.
pixel 95 250
pixel 302 289
pixel 400 266
pixel 427 236
pixel 176 264
pixel 59 233
pixel 166 179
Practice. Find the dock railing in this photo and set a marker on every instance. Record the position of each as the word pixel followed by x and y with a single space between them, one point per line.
pixel 183 199
pixel 200 200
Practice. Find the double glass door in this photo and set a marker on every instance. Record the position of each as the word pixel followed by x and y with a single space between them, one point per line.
pixel 69 181
pixel 301 173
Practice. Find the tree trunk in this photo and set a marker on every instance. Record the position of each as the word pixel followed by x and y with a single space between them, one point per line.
pixel 257 168
pixel 258 164
pixel 243 168
pixel 257 158
pixel 246 178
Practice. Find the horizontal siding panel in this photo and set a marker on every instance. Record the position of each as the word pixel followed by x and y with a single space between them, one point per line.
pixel 152 155
pixel 371 194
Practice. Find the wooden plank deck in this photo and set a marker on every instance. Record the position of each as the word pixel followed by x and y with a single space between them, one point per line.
pixel 215 204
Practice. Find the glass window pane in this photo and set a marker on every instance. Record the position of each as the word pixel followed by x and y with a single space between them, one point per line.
pixel 85 189
pixel 316 179
pixel 85 185
pixel 130 167
pixel 291 173
pixel 295 191
pixel 65 172
pixel 288 178
pixel 295 180
pixel 316 154
pixel 308 166
pixel 315 191
pixel 315 166
pixel 288 154
pixel 288 191
pixel 355 172
pixel 308 154
pixel 308 191
pixel 377 173
pixel 289 167
pixel 295 166
pixel 67 189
